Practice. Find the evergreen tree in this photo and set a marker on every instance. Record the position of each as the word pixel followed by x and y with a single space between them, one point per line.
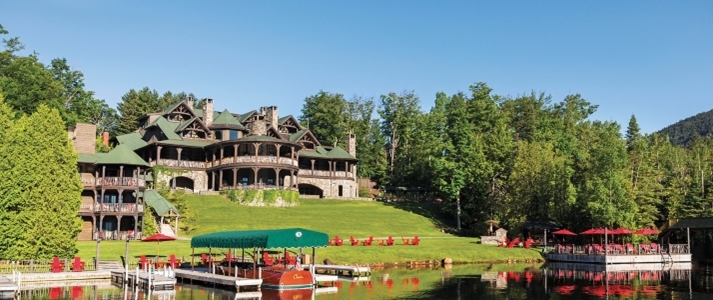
pixel 325 114
pixel 39 190
pixel 134 105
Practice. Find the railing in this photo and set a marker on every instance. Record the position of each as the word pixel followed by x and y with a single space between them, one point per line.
pixel 89 180
pixel 182 163
pixel 118 207
pixel 41 266
pixel 678 249
pixel 122 181
pixel 117 235
pixel 258 186
pixel 86 207
pixel 274 160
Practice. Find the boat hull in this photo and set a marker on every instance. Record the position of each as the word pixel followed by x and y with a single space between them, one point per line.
pixel 279 278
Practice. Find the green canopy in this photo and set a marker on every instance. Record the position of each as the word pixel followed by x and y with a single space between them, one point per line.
pixel 264 239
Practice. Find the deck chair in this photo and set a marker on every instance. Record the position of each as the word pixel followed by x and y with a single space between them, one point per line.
pixel 207 261
pixel 174 263
pixel 354 241
pixel 338 241
pixel 528 242
pixel 143 262
pixel 267 260
pixel 57 265
pixel 514 242
pixel 406 241
pixel 415 241
pixel 290 260
pixel 77 265
pixel 368 241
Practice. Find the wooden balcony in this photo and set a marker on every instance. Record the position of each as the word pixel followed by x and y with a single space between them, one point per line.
pixel 121 181
pixel 320 173
pixel 118 235
pixel 112 207
pixel 89 180
pixel 256 160
pixel 180 164
pixel 257 187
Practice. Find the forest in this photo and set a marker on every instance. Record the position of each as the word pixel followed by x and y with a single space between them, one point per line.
pixel 484 156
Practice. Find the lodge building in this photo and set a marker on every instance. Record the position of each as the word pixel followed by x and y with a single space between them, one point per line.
pixel 204 151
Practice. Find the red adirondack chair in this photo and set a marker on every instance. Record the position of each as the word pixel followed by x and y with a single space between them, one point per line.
pixel 528 242
pixel 174 263
pixel 406 241
pixel 143 262
pixel 514 242
pixel 290 260
pixel 387 242
pixel 267 259
pixel 354 241
pixel 415 241
pixel 368 241
pixel 57 265
pixel 338 241
pixel 77 265
pixel 207 260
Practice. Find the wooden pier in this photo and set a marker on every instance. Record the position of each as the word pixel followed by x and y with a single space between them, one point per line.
pixel 8 288
pixel 619 259
pixel 144 280
pixel 237 282
pixel 346 271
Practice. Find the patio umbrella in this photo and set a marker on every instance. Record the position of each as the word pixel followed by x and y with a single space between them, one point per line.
pixel 564 232
pixel 646 231
pixel 158 238
pixel 593 231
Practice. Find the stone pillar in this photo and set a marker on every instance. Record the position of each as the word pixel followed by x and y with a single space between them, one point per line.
pixel 311 172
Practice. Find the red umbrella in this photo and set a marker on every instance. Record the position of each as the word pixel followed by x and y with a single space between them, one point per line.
pixel 564 232
pixel 646 231
pixel 158 238
pixel 593 231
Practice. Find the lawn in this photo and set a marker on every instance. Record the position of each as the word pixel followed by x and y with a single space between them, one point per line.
pixel 360 219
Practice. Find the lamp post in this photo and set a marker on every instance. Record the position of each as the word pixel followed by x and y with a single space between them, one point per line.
pixel 96 259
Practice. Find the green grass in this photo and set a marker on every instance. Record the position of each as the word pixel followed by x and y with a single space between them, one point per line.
pixel 360 219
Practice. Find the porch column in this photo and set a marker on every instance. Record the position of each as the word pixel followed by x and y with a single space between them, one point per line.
pixel 255 175
pixel 257 150
pixel 292 153
pixel 158 154
pixel 121 175
pixel 235 177
pixel 179 150
pixel 278 152
pixel 220 181
pixel 222 154
pixel 136 223
pixel 277 177
pixel 235 153
pixel 94 226
pixel 103 174
pixel 101 200
pixel 121 195
pixel 101 223
pixel 118 224
pixel 175 230
pixel 214 185
pixel 312 170
pixel 294 179
pixel 331 170
pixel 212 161
pixel 138 173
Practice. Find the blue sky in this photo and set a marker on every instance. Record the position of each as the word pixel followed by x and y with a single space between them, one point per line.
pixel 653 59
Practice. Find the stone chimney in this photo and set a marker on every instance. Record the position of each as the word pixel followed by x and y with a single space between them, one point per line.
pixel 190 101
pixel 83 137
pixel 208 111
pixel 272 116
pixel 351 143
pixel 258 126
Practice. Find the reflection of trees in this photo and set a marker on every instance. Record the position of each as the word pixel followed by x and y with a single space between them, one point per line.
pixel 472 287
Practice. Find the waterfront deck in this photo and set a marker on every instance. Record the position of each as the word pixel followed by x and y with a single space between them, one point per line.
pixel 8 288
pixel 618 258
pixel 237 282
pixel 144 280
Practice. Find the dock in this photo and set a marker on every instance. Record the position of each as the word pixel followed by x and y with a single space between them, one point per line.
pixel 664 258
pixel 345 271
pixel 237 282
pixel 8 288
pixel 143 279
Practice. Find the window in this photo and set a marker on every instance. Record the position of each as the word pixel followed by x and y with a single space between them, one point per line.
pixel 234 135
pixel 218 135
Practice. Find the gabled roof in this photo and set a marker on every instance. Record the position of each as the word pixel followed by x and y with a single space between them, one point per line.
pixel 226 119
pixel 157 202
pixel 275 132
pixel 297 135
pixel 187 143
pixel 167 127
pixel 245 116
pixel 195 120
pixel 120 155
pixel 262 239
pixel 132 140
pixel 173 107
pixel 309 153
pixel 339 153
pixel 288 117
pixel 87 158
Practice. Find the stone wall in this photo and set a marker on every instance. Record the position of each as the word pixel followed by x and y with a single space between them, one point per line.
pixel 200 178
pixel 330 187
pixel 83 137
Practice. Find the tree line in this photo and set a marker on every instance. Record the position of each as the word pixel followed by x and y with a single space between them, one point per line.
pixel 518 159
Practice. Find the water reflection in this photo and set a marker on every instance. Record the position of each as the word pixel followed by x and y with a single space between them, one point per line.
pixel 512 282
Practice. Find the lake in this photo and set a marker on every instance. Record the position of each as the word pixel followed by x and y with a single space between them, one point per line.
pixel 480 281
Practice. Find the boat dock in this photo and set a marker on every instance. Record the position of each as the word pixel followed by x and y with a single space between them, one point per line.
pixel 237 282
pixel 142 279
pixel 8 288
pixel 663 258
pixel 337 270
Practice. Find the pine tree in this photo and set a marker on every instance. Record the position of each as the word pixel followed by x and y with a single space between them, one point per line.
pixel 134 105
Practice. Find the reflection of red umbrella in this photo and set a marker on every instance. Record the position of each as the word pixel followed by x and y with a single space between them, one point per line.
pixel 565 289
pixel 598 291
pixel 158 238
pixel 646 231
pixel 564 232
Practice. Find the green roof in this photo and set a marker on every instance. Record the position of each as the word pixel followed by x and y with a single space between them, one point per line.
pixel 307 153
pixel 283 119
pixel 120 155
pixel 133 140
pixel 159 204
pixel 87 158
pixel 321 150
pixel 245 116
pixel 337 152
pixel 226 118
pixel 259 138
pixel 168 128
pixel 189 143
pixel 263 239
pixel 198 112
pixel 184 124
pixel 297 135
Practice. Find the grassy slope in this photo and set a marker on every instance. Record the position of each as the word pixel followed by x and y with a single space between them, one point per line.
pixel 360 219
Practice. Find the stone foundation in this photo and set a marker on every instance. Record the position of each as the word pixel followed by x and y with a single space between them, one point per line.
pixel 200 178
pixel 330 187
